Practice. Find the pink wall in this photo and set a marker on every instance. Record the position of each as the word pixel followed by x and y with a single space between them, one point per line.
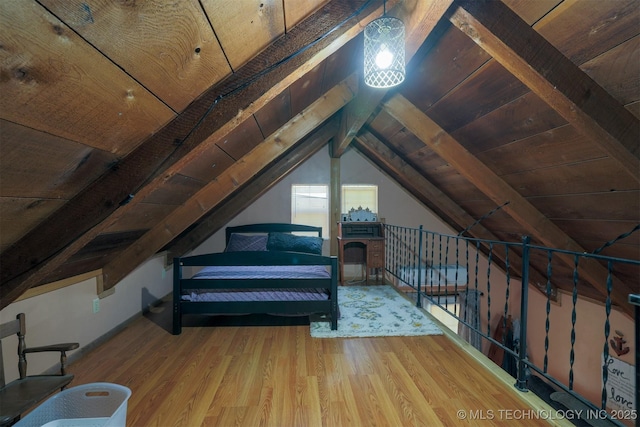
pixel 589 345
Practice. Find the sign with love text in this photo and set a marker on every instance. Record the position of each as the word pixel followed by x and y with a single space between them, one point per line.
pixel 620 384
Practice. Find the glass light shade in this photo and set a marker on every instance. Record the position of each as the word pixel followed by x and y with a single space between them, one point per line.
pixel 384 52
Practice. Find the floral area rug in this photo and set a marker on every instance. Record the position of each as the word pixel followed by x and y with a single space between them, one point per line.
pixel 374 311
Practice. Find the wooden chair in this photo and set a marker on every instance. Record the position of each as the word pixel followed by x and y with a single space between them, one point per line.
pixel 23 393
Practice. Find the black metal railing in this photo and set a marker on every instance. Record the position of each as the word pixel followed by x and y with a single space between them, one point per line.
pixel 634 299
pixel 458 274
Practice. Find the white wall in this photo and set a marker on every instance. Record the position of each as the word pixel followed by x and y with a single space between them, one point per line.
pixel 394 203
pixel 275 205
pixel 66 315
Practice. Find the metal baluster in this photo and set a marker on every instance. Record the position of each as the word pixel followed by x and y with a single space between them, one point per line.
pixel 395 252
pixel 413 256
pixel 477 264
pixel 405 253
pixel 455 285
pixel 506 300
pixel 410 257
pixel 433 244
pixel 573 321
pixel 489 260
pixel 547 322
pixel 475 278
pixel 467 267
pixel 401 263
pixel 446 277
pixel 387 246
pixel 439 265
pixel 419 300
pixel 521 383
pixel 607 329
pixel 397 248
pixel 635 300
pixel 429 246
pixel 397 238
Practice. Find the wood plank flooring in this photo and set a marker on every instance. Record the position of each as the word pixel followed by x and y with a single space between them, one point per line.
pixel 280 376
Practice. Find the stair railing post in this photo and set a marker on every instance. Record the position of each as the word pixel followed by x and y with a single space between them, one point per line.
pixel 419 298
pixel 521 383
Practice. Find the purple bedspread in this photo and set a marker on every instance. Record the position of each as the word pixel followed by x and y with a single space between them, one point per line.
pixel 260 272
pixel 264 272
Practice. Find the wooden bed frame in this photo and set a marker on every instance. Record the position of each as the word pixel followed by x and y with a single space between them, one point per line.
pixel 256 258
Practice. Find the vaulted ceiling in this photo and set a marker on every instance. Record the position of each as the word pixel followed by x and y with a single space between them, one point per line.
pixel 133 127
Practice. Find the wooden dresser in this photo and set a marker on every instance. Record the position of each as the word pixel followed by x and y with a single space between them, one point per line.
pixel 361 243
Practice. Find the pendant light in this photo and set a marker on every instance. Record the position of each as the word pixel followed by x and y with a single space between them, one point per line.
pixel 384 52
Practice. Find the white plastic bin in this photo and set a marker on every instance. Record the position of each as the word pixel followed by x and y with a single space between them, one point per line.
pixel 88 405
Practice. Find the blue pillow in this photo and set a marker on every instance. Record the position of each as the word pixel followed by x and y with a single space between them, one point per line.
pixel 293 243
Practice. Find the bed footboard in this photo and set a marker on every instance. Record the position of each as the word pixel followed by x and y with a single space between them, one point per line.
pixel 181 284
pixel 177 296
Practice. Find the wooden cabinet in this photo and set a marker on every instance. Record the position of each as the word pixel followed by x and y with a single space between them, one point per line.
pixel 361 243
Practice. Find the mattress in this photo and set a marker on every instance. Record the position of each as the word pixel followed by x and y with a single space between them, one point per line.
pixel 260 294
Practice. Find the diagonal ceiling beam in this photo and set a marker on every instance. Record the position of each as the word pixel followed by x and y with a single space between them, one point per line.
pixel 420 18
pixel 221 215
pixel 230 180
pixel 425 191
pixel 29 261
pixel 554 78
pixel 530 218
pixel 414 182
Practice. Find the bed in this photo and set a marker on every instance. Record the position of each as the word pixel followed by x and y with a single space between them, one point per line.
pixel 264 269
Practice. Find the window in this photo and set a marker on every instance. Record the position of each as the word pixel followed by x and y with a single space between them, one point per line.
pixel 310 206
pixel 354 196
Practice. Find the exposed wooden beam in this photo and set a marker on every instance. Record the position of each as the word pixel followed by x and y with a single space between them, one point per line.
pixel 530 218
pixel 238 201
pixel 554 78
pixel 420 18
pixel 411 180
pixel 29 261
pixel 335 204
pixel 230 180
pixel 354 117
pixel 425 191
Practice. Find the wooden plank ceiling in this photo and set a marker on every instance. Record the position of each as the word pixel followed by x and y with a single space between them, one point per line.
pixel 132 127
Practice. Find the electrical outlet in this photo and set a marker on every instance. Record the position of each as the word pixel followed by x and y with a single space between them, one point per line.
pixel 96 305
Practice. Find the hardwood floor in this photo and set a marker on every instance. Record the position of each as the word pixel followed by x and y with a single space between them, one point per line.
pixel 280 376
